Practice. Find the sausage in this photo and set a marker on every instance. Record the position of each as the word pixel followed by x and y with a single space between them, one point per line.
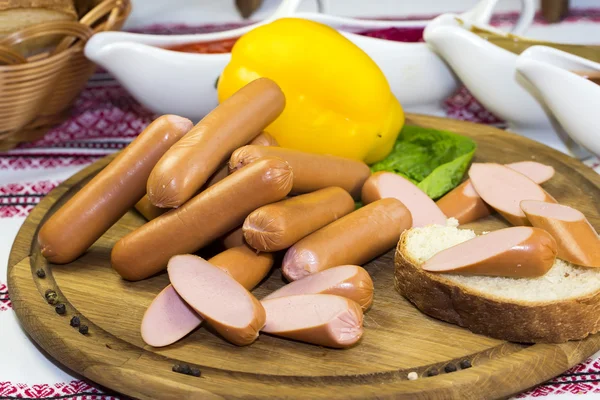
pixel 150 211
pixel 516 252
pixel 264 139
pixel 311 171
pixel 321 319
pixel 383 185
pixel 186 167
pixel 464 204
pixel 349 281
pixel 503 189
pixel 576 238
pixel 212 213
pixel 353 239
pixel 279 225
pixel 86 216
pixel 244 265
pixel 233 238
pixel 169 318
pixel 222 301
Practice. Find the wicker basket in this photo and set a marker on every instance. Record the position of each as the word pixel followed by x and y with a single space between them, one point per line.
pixel 38 91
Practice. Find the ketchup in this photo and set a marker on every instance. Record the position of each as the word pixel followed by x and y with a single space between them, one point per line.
pixel 225 45
pixel 215 47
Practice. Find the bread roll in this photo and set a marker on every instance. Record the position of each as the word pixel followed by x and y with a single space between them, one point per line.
pixel 18 14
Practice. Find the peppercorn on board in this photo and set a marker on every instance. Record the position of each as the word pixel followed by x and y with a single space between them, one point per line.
pixel 85 316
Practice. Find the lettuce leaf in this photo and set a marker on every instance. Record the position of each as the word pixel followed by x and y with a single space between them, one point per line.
pixel 433 160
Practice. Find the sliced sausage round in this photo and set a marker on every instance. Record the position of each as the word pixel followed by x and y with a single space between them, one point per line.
pixel 517 252
pixel 504 188
pixel 349 281
pixel 169 318
pixel 382 185
pixel 222 301
pixel 321 319
pixel 464 204
pixel 577 239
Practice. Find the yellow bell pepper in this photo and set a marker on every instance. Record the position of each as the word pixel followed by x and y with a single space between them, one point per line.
pixel 337 99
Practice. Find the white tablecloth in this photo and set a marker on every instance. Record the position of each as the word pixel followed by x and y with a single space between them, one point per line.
pixel 105 119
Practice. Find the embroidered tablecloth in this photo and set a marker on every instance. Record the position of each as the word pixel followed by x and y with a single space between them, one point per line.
pixel 104 119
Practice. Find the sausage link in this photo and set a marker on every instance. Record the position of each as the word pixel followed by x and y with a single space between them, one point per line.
pixel 311 171
pixel 212 213
pixel 110 194
pixel 150 211
pixel 279 225
pixel 354 239
pixel 186 167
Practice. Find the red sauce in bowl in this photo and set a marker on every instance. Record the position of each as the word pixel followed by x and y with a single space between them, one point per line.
pixel 409 35
pixel 216 47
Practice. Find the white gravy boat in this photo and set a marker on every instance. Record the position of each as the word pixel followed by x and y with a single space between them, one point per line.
pixel 180 83
pixel 488 71
pixel 573 99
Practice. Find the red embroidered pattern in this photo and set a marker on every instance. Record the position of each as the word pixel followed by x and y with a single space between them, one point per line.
pixel 33 161
pixel 18 199
pixel 5 304
pixel 75 389
pixel 106 111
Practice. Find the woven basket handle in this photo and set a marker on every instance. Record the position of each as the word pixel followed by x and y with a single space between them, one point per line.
pixel 66 28
pixel 8 56
pixel 113 8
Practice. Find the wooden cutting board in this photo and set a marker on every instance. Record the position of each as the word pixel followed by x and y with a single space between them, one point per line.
pixel 398 339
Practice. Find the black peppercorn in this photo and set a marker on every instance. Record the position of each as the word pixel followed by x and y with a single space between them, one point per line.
pixel 60 309
pixel 40 273
pixel 464 364
pixel 51 296
pixel 432 372
pixel 176 368
pixel 195 371
pixel 83 329
pixel 75 322
pixel 450 368
pixel 185 369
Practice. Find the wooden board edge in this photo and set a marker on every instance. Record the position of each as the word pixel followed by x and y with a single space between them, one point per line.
pixel 466 382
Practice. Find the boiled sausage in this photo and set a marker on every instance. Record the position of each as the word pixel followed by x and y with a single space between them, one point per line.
pixel 279 225
pixel 504 188
pixel 150 211
pixel 169 318
pixel 353 239
pixel 110 194
pixel 321 319
pixel 383 185
pixel 311 171
pixel 185 168
pixel 349 281
pixel 211 214
pixel 223 302
pixel 577 239
pixel 517 252
pixel 464 204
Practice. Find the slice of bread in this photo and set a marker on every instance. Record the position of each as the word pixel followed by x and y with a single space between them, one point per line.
pixel 562 305
pixel 19 14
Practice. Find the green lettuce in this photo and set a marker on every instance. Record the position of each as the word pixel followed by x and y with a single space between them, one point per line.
pixel 433 160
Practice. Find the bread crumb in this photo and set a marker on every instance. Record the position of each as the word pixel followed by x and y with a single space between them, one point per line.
pixel 412 376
